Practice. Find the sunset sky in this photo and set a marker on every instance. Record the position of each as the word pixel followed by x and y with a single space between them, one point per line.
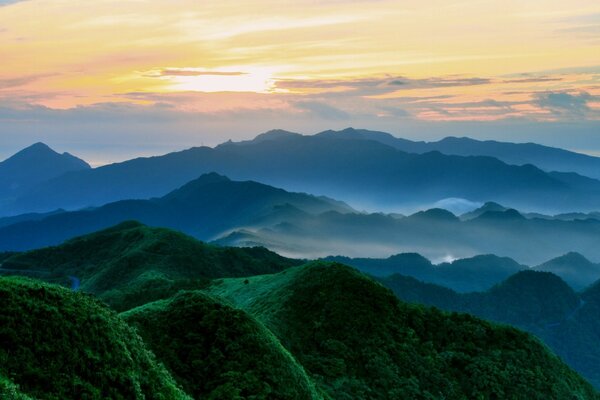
pixel 114 79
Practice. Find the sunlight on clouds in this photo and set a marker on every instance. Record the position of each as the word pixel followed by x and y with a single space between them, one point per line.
pixel 301 55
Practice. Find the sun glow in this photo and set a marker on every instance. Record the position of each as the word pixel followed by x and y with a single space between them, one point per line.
pixel 257 80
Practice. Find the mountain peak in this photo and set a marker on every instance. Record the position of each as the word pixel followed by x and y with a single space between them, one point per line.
pixel 275 134
pixel 572 258
pixel 436 214
pixel 207 179
pixel 35 149
pixel 39 146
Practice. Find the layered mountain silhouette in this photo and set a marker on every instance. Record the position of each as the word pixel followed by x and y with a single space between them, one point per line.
pixel 204 207
pixel 365 172
pixel 233 213
pixel 436 234
pixel 34 165
pixel 539 302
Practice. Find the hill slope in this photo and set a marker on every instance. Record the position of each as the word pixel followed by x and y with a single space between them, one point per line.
pixel 130 264
pixel 356 339
pixel 538 302
pixel 56 344
pixel 215 351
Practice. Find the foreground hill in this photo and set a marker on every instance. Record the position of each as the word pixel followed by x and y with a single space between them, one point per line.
pixel 388 178
pixel 56 344
pixel 131 264
pixel 539 302
pixel 32 166
pixel 217 352
pixel 205 207
pixel 358 341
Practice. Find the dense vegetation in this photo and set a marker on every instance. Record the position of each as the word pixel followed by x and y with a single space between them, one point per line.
pixel 358 341
pixel 538 302
pixel 217 352
pixel 56 344
pixel 131 264
pixel 321 330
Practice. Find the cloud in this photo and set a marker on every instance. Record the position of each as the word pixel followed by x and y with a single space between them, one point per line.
pixel 8 83
pixel 196 72
pixel 564 104
pixel 322 110
pixel 584 26
pixel 9 2
pixel 534 79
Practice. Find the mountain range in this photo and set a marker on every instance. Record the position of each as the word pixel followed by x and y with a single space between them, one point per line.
pixel 234 213
pixel 545 157
pixel 204 208
pixel 478 273
pixel 332 164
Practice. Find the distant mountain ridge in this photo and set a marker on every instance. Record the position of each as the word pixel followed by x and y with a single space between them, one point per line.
pixel 544 157
pixel 327 163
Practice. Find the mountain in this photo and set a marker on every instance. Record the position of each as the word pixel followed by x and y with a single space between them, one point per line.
pixel 357 340
pixel 538 302
pixel 574 268
pixel 204 208
pixel 131 264
pixel 487 207
pixel 217 352
pixel 463 275
pixel 544 157
pixel 34 165
pixel 58 344
pixel 233 213
pixel 388 178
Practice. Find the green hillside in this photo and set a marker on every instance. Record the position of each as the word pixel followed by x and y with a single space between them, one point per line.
pixel 538 302
pixel 357 340
pixel 56 344
pixel 131 264
pixel 217 352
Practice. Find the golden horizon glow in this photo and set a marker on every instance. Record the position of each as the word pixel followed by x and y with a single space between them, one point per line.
pixel 65 54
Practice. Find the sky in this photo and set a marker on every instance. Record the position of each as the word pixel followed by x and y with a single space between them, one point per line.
pixel 109 80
